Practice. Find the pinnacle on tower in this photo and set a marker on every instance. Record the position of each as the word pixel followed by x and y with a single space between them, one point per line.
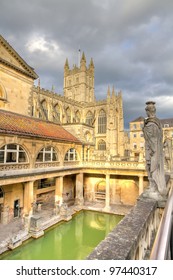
pixel 83 59
pixel 91 65
pixel 108 92
pixel 113 93
pixel 66 66
pixel 83 62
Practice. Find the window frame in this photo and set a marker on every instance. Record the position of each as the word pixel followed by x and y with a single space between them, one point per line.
pixel 71 155
pixel 101 144
pixel 102 122
pixel 14 153
pixel 89 118
pixel 45 152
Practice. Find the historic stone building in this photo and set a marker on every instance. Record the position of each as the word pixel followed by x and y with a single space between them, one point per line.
pixel 137 138
pixel 60 148
pixel 97 123
pixel 137 142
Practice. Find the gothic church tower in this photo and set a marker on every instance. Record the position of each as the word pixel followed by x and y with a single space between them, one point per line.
pixel 79 81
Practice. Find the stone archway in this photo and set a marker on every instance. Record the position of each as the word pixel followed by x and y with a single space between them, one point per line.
pixel 129 192
pixel 100 190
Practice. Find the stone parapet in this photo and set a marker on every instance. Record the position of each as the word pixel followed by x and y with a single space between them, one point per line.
pixel 132 237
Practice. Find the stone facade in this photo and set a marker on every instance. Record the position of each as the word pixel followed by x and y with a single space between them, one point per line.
pixel 137 141
pixel 39 169
pixel 97 123
pixel 16 80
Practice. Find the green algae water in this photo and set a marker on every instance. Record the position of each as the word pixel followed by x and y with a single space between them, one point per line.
pixel 72 240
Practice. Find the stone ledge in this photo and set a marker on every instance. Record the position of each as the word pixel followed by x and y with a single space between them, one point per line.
pixel 121 243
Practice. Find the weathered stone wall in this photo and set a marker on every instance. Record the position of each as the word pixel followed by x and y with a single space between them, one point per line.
pixel 122 190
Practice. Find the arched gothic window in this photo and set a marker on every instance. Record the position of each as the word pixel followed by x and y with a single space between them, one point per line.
pixel 47 154
pixel 88 136
pixel 71 155
pixel 101 145
pixel 68 115
pixel 77 117
pixel 12 153
pixel 44 108
pixel 102 122
pixel 89 118
pixel 56 113
pixel 101 187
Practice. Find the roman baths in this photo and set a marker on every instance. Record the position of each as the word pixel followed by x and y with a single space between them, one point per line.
pixel 71 175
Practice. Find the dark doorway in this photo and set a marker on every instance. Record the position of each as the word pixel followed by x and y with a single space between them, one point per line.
pixel 16 208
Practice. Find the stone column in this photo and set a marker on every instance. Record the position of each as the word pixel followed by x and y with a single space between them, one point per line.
pixel 107 204
pixel 28 197
pixel 79 199
pixel 141 186
pixel 58 190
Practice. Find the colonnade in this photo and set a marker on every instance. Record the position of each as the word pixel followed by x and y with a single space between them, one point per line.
pixel 79 198
pixel 107 198
pixel 29 192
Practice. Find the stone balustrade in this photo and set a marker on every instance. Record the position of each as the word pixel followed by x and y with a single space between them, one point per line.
pixel 47 164
pixel 116 164
pixel 16 166
pixel 133 237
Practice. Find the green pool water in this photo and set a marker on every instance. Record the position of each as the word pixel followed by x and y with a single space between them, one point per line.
pixel 72 240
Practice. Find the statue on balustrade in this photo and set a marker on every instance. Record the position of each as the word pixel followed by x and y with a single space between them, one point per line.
pixel 154 152
pixel 167 145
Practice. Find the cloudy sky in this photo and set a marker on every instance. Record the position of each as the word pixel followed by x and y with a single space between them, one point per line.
pixel 130 41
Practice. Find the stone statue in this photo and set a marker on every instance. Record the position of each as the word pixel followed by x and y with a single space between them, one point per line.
pixel 154 152
pixel 167 145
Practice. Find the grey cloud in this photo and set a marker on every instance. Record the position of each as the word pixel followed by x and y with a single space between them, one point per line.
pixel 130 42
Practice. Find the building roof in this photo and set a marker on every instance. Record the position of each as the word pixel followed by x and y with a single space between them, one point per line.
pixel 16 124
pixel 164 122
pixel 139 119
pixel 22 66
pixel 168 122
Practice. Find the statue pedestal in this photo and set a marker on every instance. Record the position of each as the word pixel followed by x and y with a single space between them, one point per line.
pixel 65 212
pixel 35 227
pixel 14 242
pixel 161 199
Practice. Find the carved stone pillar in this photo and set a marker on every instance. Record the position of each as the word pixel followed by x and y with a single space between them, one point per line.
pixel 59 190
pixel 141 185
pixel 107 204
pixel 79 199
pixel 28 197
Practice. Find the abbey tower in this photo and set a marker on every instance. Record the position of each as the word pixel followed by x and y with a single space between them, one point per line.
pixel 79 82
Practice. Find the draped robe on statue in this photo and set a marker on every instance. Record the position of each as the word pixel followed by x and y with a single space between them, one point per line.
pixel 154 154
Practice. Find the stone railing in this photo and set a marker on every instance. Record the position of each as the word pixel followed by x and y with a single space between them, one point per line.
pixel 163 245
pixel 133 237
pixel 115 164
pixel 85 164
pixel 72 163
pixel 16 166
pixel 46 164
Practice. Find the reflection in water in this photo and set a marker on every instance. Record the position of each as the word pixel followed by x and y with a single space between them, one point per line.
pixel 72 240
